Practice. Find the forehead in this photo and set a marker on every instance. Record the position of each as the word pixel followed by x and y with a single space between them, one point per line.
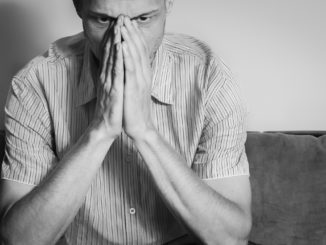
pixel 130 8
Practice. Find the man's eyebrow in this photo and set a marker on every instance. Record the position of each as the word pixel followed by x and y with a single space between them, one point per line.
pixel 112 17
pixel 100 14
pixel 147 13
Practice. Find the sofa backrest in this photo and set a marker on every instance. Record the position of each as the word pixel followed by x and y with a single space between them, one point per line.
pixel 2 146
pixel 289 188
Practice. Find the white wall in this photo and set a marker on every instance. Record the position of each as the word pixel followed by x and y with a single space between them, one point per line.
pixel 276 50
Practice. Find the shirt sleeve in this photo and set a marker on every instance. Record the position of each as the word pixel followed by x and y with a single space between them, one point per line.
pixel 29 154
pixel 221 150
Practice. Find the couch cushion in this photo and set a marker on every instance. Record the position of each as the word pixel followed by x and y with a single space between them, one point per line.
pixel 289 188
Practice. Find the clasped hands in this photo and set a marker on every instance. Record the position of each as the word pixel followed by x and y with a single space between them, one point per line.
pixel 123 91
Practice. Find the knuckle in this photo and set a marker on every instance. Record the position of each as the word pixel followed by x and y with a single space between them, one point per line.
pixel 116 71
pixel 107 88
pixel 107 47
pixel 111 62
pixel 114 94
pixel 102 78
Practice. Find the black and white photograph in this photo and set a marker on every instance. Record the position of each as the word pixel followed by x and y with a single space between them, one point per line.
pixel 162 122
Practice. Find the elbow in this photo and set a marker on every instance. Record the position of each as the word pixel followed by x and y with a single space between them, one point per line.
pixel 241 236
pixel 9 236
pixel 241 232
pixel 245 229
pixel 11 239
pixel 227 239
pixel 6 237
pixel 238 236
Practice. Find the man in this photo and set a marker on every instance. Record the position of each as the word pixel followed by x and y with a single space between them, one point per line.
pixel 122 135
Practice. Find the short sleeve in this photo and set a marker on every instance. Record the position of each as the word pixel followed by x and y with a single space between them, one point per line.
pixel 29 154
pixel 221 150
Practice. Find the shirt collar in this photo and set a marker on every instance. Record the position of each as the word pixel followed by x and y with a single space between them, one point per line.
pixel 162 89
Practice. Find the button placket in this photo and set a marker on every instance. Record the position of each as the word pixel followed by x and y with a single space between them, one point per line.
pixel 129 158
pixel 129 151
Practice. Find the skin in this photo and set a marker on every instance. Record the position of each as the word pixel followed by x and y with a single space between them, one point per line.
pixel 150 15
pixel 125 47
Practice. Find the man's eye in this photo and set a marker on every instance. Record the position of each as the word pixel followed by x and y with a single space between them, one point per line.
pixel 103 20
pixel 143 19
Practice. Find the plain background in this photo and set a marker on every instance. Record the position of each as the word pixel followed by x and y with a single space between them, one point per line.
pixel 276 50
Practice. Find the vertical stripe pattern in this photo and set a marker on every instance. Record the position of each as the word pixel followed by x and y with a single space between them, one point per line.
pixel 195 106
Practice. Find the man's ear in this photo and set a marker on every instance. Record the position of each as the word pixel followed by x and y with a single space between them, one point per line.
pixel 169 5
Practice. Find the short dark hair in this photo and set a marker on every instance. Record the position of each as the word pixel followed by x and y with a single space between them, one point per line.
pixel 78 4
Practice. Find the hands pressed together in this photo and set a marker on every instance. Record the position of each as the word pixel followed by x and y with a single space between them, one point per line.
pixel 123 91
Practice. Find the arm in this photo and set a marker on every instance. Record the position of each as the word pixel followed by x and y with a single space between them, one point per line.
pixel 216 211
pixel 51 206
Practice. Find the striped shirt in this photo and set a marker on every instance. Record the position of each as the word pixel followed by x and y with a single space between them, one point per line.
pixel 195 106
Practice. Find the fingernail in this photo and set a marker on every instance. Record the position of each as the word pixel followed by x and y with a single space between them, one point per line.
pixel 121 18
pixel 127 21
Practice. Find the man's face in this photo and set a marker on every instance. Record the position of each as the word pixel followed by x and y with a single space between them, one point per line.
pixel 99 15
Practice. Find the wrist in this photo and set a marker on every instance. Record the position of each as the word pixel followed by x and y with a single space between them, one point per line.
pixel 148 137
pixel 98 133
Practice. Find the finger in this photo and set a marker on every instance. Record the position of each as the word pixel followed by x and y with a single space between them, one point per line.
pixel 128 61
pixel 104 61
pixel 111 58
pixel 141 45
pixel 136 45
pixel 117 71
pixel 117 30
pixel 128 38
pixel 118 76
pixel 105 49
pixel 139 37
pixel 116 62
pixel 133 33
pixel 120 21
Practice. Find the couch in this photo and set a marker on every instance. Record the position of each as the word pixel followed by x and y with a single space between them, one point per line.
pixel 288 178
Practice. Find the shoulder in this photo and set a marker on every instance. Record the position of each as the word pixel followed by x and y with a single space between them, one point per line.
pixel 68 47
pixel 64 48
pixel 197 57
pixel 185 45
pixel 60 55
pixel 181 47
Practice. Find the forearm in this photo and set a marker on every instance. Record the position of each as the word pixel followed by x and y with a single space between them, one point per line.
pixel 43 215
pixel 210 216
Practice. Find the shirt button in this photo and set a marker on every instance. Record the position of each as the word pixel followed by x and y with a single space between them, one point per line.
pixel 129 159
pixel 132 211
